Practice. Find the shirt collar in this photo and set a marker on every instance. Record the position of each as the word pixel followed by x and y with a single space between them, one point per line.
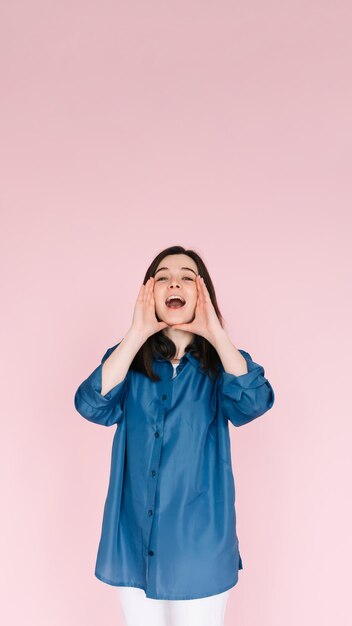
pixel 188 355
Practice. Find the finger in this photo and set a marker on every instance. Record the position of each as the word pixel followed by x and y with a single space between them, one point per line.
pixel 205 292
pixel 201 292
pixel 152 284
pixel 149 290
pixel 141 292
pixel 182 327
pixel 199 283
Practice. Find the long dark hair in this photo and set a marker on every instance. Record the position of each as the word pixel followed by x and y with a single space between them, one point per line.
pixel 160 345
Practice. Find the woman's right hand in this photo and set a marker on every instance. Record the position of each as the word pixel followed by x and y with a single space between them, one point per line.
pixel 144 320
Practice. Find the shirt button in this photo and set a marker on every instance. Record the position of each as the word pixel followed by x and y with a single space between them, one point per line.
pixel 156 434
pixel 163 397
pixel 150 552
pixel 153 472
pixel 150 512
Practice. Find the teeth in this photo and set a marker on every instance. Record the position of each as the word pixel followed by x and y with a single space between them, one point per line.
pixel 175 298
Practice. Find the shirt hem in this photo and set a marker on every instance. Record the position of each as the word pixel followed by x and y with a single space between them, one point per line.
pixel 160 596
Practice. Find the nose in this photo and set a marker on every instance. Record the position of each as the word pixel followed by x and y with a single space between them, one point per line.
pixel 174 283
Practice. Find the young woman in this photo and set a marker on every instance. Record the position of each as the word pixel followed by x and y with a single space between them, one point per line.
pixel 171 386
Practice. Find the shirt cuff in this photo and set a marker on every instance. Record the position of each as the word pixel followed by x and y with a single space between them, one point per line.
pixel 246 396
pixel 90 390
pixel 233 386
pixel 92 405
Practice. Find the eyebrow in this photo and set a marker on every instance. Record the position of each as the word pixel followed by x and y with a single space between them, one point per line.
pixel 182 268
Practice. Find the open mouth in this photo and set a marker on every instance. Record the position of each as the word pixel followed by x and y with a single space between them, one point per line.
pixel 175 302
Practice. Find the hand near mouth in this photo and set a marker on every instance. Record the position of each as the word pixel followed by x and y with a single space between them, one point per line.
pixel 206 322
pixel 144 320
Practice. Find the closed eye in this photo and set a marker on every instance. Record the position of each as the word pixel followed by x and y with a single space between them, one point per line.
pixel 164 278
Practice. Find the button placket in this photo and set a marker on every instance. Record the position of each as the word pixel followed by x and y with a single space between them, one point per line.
pixel 152 482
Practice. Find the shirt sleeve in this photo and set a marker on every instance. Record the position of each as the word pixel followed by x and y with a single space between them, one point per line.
pixel 245 397
pixel 91 404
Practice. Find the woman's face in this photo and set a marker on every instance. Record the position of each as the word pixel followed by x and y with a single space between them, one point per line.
pixel 176 275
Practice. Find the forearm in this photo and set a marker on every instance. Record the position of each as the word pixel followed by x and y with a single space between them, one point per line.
pixel 231 358
pixel 116 366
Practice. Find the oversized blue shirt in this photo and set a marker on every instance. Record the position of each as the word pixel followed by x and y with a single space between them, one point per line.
pixel 169 521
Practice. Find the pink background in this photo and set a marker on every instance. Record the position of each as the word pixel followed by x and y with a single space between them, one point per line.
pixel 224 127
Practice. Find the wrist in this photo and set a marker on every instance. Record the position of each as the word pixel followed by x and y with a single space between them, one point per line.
pixel 137 336
pixel 217 337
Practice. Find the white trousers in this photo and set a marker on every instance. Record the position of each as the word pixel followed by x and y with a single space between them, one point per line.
pixel 138 610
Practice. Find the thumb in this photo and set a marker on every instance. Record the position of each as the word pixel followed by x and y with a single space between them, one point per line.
pixel 162 325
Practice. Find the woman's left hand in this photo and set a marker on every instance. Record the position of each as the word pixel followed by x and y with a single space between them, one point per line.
pixel 206 322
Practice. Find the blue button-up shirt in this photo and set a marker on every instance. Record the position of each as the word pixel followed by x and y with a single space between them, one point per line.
pixel 169 521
